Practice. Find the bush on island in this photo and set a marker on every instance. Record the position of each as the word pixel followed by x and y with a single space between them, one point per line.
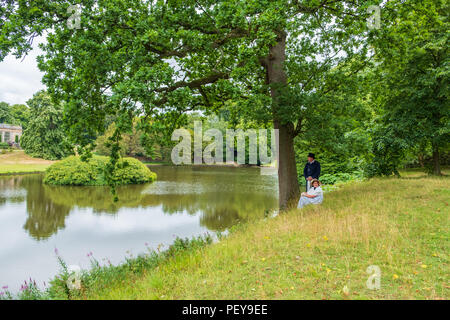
pixel 72 171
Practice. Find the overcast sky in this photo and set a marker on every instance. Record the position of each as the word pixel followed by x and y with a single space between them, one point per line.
pixel 19 80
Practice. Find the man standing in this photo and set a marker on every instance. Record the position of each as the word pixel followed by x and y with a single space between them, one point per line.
pixel 312 170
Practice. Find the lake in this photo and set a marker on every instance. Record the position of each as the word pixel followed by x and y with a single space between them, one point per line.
pixel 185 201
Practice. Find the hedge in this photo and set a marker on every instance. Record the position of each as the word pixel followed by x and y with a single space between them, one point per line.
pixel 74 172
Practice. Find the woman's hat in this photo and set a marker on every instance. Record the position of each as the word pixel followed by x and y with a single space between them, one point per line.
pixel 315 180
pixel 311 155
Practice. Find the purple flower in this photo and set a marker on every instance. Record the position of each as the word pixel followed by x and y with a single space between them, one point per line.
pixel 2 293
pixel 5 287
pixel 56 251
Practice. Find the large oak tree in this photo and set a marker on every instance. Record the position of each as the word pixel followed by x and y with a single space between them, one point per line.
pixel 159 59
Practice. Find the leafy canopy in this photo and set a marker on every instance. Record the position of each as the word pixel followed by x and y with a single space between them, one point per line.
pixel 44 136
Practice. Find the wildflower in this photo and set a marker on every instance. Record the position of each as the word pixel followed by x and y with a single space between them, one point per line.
pixel 56 251
pixel 5 287
pixel 395 276
pixel 424 266
pixel 325 238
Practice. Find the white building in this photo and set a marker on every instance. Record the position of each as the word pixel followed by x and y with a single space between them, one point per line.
pixel 10 133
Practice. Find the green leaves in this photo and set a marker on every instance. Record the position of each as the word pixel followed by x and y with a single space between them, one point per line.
pixel 76 172
pixel 44 136
pixel 412 83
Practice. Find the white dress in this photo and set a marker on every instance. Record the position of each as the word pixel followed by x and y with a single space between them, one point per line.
pixel 312 192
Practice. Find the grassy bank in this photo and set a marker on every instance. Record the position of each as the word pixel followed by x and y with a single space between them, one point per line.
pixel 321 252
pixel 17 162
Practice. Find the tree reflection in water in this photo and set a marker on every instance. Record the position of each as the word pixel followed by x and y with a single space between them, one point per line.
pixel 221 196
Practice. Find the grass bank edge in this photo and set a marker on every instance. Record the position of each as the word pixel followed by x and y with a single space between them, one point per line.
pixel 64 285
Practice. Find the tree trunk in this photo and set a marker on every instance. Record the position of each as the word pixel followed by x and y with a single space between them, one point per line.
pixel 288 189
pixel 277 80
pixel 436 161
pixel 421 160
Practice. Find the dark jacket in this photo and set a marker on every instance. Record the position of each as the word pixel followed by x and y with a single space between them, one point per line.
pixel 312 170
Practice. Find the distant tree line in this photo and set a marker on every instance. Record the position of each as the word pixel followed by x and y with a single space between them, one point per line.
pixel 16 114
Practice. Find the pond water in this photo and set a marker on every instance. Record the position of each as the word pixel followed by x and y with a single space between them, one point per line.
pixel 185 201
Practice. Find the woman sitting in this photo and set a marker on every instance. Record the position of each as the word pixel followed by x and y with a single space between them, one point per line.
pixel 313 196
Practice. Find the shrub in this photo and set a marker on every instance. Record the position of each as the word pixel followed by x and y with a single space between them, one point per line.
pixel 73 171
pixel 330 179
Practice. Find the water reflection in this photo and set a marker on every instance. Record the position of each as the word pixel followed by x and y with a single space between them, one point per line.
pixel 220 196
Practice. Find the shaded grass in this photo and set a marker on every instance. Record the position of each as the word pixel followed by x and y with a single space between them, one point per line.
pixel 399 225
pixel 421 172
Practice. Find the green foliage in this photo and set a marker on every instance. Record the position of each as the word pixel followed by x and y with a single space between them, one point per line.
pixel 18 114
pixel 136 143
pixel 21 115
pixel 44 136
pixel 331 179
pixel 411 83
pixel 5 113
pixel 73 171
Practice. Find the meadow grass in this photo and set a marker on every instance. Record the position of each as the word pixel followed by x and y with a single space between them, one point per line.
pixel 17 162
pixel 320 252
